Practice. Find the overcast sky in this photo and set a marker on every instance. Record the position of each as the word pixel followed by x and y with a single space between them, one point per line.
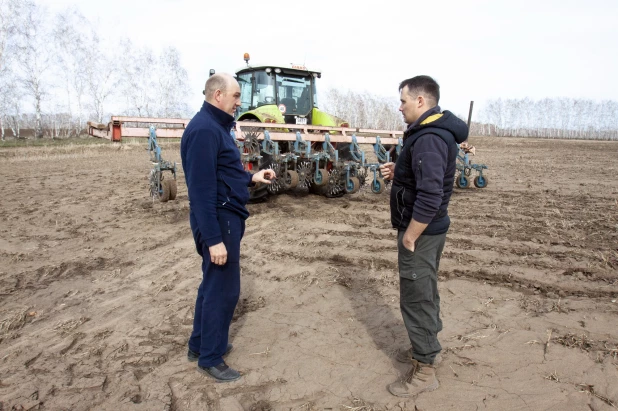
pixel 476 49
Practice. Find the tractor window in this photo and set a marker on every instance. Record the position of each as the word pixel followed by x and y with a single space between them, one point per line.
pixel 295 94
pixel 315 94
pixel 244 80
pixel 264 92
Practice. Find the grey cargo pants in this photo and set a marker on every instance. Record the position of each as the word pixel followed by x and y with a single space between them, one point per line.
pixel 419 298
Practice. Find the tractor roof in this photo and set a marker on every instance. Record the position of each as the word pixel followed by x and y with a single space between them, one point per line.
pixel 284 68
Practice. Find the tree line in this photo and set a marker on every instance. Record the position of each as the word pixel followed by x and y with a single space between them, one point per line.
pixel 57 72
pixel 564 118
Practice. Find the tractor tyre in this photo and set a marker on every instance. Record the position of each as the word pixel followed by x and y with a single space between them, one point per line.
pixel 323 191
pixel 480 181
pixel 257 193
pixel 344 152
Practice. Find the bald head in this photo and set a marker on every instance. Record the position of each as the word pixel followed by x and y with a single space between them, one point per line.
pixel 219 81
pixel 222 91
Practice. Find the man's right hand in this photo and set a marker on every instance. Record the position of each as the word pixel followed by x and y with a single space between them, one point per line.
pixel 387 170
pixel 218 254
pixel 264 176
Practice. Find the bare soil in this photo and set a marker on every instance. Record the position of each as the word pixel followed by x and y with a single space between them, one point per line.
pixel 97 286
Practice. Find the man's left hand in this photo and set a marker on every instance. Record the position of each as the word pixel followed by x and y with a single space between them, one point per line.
pixel 408 241
pixel 264 176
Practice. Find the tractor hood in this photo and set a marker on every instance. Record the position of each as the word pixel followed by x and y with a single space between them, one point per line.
pixel 264 114
pixel 271 114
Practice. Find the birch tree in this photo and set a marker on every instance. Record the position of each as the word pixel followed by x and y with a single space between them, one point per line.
pixel 70 31
pixel 172 84
pixel 33 56
pixel 100 75
pixel 138 82
pixel 8 9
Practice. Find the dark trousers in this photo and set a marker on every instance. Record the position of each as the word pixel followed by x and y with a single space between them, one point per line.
pixel 218 293
pixel 419 297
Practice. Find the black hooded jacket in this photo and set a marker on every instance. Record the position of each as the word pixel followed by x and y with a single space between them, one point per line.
pixel 425 171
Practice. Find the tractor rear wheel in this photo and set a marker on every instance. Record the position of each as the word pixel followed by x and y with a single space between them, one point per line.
pixel 344 152
pixel 257 193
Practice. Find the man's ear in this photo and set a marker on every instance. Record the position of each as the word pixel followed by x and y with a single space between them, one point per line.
pixel 420 100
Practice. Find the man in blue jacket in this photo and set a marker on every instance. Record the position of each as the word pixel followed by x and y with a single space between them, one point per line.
pixel 218 192
pixel 422 186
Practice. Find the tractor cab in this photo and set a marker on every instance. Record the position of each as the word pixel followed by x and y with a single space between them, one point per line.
pixel 281 94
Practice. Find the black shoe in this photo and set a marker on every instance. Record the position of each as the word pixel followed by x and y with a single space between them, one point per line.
pixel 194 356
pixel 221 372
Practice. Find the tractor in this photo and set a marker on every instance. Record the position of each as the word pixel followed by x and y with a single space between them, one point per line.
pixel 287 95
pixel 281 95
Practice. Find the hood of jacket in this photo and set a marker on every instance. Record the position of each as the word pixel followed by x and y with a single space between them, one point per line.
pixel 440 119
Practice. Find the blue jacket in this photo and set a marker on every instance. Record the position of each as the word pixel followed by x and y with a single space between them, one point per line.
pixel 425 171
pixel 213 171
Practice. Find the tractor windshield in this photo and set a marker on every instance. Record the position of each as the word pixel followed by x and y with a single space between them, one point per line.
pixel 294 93
pixel 264 91
pixel 257 89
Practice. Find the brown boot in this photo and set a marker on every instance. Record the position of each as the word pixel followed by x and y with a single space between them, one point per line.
pixel 405 356
pixel 420 378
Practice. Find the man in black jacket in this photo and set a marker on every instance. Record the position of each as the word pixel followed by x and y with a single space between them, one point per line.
pixel 422 186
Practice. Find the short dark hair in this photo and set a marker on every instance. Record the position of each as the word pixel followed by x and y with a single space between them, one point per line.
pixel 422 84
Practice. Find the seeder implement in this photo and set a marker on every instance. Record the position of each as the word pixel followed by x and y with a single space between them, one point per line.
pixel 325 160
pixel 465 168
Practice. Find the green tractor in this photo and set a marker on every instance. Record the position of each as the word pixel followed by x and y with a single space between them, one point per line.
pixel 281 95
pixel 278 94
pixel 287 95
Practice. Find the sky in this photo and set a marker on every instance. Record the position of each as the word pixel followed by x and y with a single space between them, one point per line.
pixel 477 50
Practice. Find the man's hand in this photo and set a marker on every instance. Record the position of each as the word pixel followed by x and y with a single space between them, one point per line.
pixel 413 232
pixel 408 240
pixel 218 254
pixel 264 176
pixel 387 170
